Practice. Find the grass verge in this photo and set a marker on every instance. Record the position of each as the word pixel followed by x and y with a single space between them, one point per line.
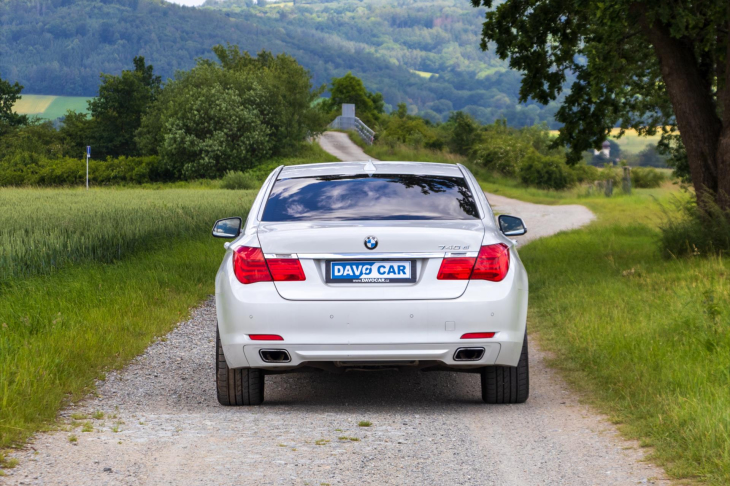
pixel 647 338
pixel 59 332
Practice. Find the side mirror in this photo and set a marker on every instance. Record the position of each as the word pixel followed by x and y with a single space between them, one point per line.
pixel 227 228
pixel 511 225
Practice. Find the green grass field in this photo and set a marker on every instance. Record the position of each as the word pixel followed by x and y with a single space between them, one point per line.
pixel 89 278
pixel 491 70
pixel 57 228
pixel 423 74
pixel 50 107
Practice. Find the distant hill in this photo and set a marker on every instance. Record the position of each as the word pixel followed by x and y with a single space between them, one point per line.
pixel 422 52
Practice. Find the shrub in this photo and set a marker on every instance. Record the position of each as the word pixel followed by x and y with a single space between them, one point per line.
pixel 585 173
pixel 546 172
pixel 239 180
pixel 646 177
pixel 696 230
pixel 612 173
pixel 29 169
pixel 210 130
pixel 503 153
pixel 410 130
pixel 501 148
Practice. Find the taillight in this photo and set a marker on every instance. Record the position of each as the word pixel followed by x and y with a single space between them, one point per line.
pixel 457 268
pixel 286 269
pixel 492 264
pixel 250 266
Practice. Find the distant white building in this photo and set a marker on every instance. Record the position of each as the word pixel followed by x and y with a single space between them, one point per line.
pixel 605 150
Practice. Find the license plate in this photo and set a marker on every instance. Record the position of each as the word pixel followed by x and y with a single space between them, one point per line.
pixel 389 271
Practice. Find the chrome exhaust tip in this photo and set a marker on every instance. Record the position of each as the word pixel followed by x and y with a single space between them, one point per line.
pixel 469 354
pixel 274 355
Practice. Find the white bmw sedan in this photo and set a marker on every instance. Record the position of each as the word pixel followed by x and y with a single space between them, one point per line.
pixel 371 265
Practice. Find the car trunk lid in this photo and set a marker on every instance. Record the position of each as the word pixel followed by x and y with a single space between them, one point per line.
pixel 420 245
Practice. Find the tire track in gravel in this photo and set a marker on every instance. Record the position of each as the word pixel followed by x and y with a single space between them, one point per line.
pixel 427 428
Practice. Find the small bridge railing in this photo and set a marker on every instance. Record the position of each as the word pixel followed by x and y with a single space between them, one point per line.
pixel 354 123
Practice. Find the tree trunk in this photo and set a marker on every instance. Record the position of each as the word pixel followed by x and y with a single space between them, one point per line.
pixel 723 168
pixel 694 108
pixel 723 149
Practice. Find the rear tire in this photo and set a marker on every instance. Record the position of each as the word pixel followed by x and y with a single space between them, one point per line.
pixel 507 384
pixel 243 386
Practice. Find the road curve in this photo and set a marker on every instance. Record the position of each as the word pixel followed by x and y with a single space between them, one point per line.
pixel 542 220
pixel 340 145
pixel 162 424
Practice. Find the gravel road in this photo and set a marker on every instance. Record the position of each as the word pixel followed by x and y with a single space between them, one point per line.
pixel 340 145
pixel 542 220
pixel 162 424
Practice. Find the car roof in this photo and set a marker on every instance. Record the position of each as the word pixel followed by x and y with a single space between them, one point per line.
pixel 370 167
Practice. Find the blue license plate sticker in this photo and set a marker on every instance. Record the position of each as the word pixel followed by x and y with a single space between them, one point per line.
pixel 372 272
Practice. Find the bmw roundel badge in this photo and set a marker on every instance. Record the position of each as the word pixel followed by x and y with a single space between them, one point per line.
pixel 371 242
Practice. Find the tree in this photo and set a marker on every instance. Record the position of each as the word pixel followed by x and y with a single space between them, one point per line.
pixel 231 114
pixel 9 95
pixel 650 157
pixel 633 63
pixel 117 111
pixel 465 133
pixel 77 131
pixel 289 90
pixel 350 89
pixel 36 137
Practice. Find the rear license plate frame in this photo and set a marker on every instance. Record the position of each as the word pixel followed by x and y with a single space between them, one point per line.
pixel 374 280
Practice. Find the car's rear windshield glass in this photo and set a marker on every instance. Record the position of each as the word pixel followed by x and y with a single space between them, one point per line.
pixel 376 197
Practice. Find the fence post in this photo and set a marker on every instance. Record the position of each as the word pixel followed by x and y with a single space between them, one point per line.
pixel 627 180
pixel 609 187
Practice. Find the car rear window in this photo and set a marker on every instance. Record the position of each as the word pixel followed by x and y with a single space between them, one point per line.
pixel 375 197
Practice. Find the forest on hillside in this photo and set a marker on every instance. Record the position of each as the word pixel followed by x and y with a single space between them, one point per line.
pixel 424 53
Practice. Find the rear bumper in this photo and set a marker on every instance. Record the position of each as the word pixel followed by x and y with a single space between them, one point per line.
pixel 364 354
pixel 371 331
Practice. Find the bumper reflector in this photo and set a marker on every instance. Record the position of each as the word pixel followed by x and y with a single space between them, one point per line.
pixel 265 337
pixel 478 335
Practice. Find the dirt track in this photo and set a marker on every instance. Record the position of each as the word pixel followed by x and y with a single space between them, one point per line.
pixel 427 428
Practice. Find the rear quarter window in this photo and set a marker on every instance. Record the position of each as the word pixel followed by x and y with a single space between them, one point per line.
pixel 375 197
